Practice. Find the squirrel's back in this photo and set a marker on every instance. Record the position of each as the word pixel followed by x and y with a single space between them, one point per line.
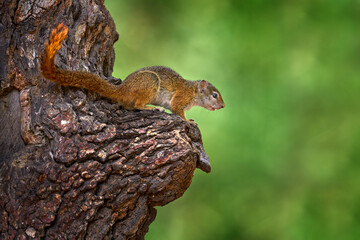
pixel 168 78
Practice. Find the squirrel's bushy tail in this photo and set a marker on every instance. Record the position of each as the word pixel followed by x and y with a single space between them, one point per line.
pixel 71 78
pixel 52 46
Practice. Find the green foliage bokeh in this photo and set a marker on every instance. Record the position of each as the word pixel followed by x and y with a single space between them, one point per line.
pixel 285 152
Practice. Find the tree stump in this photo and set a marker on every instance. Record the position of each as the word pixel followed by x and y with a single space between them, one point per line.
pixel 74 165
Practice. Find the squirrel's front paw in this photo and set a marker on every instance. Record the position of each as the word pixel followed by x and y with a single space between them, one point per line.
pixel 191 121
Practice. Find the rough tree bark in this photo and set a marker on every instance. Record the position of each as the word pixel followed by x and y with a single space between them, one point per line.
pixel 74 165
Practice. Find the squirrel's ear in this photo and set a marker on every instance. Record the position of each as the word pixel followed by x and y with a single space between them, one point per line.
pixel 203 85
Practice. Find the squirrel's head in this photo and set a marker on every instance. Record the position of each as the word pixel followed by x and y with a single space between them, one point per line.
pixel 208 96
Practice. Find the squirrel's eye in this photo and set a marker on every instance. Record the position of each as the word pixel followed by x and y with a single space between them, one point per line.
pixel 214 95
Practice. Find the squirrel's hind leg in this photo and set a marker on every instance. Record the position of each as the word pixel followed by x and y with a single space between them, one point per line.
pixel 147 88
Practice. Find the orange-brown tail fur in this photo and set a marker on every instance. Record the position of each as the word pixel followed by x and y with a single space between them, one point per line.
pixel 71 78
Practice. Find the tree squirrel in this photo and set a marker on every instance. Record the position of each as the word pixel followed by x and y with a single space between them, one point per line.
pixel 160 86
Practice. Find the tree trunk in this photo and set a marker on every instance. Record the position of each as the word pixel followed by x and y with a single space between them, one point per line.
pixel 74 165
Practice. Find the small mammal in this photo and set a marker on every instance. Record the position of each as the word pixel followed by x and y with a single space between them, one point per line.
pixel 157 85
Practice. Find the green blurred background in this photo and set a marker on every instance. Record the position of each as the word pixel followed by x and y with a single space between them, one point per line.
pixel 285 152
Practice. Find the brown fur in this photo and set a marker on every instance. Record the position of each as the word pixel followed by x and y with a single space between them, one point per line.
pixel 155 85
